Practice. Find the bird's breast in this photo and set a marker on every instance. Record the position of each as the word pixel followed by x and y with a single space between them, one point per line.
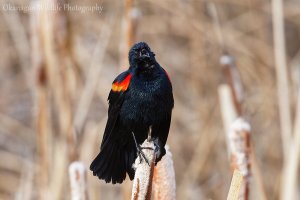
pixel 147 103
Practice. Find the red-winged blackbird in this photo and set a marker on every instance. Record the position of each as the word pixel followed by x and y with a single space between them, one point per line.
pixel 141 97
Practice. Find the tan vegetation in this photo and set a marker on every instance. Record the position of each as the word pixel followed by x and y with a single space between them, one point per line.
pixel 57 68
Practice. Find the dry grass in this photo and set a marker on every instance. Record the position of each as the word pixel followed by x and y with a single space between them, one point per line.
pixel 57 69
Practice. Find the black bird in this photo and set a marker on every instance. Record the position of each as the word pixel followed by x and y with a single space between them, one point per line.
pixel 140 98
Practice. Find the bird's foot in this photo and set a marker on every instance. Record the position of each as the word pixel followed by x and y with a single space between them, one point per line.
pixel 159 152
pixel 140 152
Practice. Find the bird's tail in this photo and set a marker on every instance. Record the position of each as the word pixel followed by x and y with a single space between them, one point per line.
pixel 112 163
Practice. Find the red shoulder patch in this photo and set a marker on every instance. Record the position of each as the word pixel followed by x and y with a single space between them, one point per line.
pixel 121 86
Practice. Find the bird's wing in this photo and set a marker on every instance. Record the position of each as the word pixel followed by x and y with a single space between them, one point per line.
pixel 116 97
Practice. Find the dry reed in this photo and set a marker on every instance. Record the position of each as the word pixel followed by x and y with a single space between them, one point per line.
pixel 281 75
pixel 42 102
pixel 291 166
pixel 235 186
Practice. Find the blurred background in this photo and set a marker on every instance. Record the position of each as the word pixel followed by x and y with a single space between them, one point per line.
pixel 58 62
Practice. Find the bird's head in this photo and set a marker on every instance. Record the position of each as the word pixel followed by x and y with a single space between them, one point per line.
pixel 141 56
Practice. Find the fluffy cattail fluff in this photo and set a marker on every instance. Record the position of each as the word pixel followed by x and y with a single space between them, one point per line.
pixel 77 173
pixel 164 185
pixel 142 183
pixel 239 142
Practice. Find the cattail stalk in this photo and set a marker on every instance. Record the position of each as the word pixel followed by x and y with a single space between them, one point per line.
pixel 281 75
pixel 290 171
pixel 129 27
pixel 235 186
pixel 42 104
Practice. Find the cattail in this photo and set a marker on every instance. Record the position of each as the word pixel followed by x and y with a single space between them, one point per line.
pixel 239 143
pixel 78 181
pixel 231 96
pixel 142 183
pixel 164 184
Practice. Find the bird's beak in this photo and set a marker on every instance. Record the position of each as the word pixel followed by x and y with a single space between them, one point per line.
pixel 145 55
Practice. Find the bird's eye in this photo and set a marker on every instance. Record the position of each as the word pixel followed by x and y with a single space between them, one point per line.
pixel 143 51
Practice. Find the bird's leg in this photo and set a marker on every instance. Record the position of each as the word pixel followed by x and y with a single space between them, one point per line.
pixel 139 150
pixel 159 150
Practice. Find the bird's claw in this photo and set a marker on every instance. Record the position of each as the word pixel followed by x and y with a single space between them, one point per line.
pixel 158 153
pixel 140 150
pixel 142 154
